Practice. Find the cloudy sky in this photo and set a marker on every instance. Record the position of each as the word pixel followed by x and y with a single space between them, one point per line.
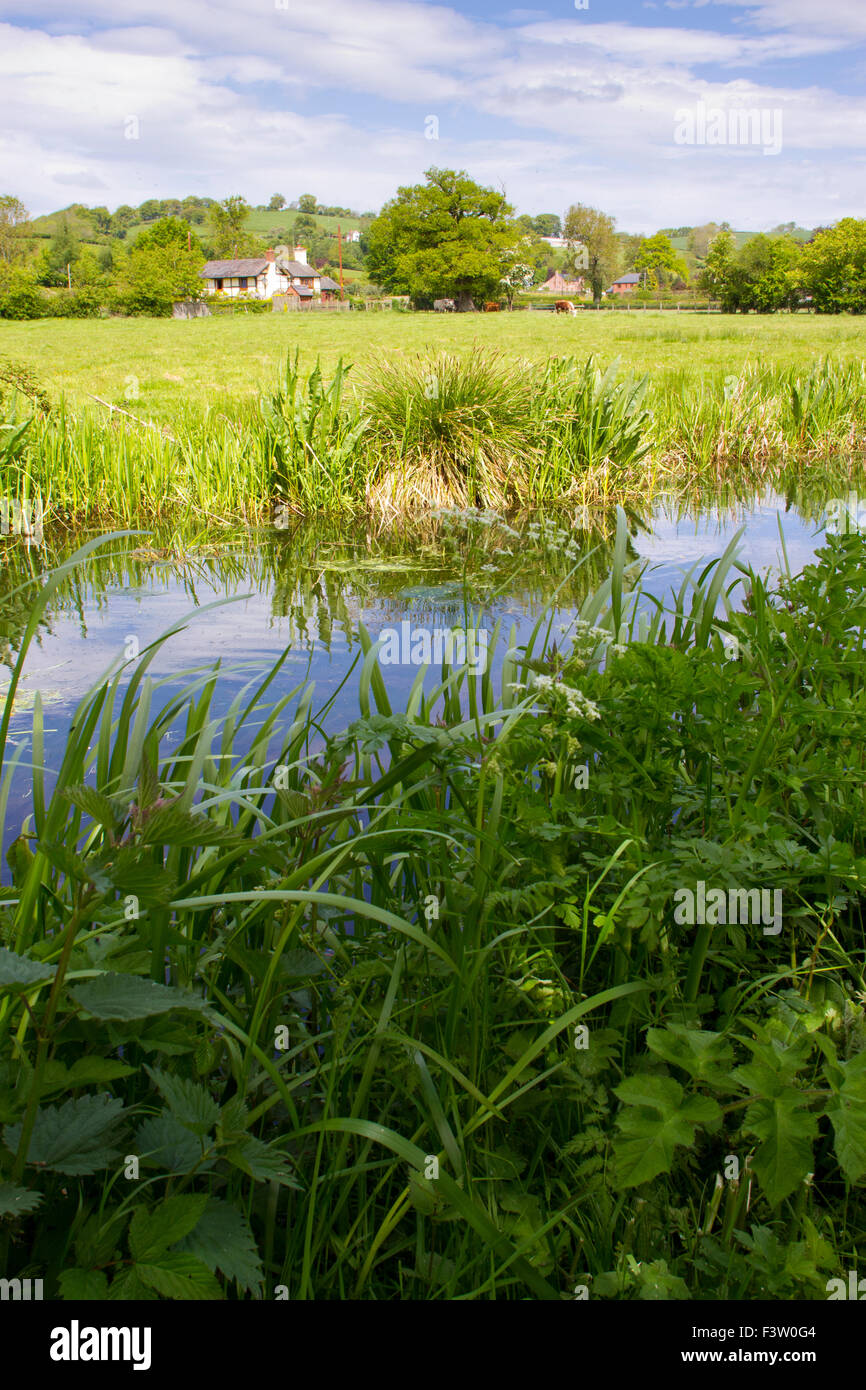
pixel 624 104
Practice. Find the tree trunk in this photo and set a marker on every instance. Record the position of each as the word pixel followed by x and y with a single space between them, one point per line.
pixel 463 303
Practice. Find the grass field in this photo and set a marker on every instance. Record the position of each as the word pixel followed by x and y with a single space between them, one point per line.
pixel 167 361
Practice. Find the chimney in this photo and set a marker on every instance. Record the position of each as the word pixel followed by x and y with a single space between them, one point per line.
pixel 269 255
pixel 301 254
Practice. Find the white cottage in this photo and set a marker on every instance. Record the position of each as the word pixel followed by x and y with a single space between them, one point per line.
pixel 263 276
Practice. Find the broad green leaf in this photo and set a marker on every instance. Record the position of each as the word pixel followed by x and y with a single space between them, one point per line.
pixel 152 1232
pixel 129 1287
pixel 788 1132
pixel 848 1117
pixel 705 1056
pixel 262 1162
pixel 125 997
pixel 223 1241
pixel 299 964
pixel 89 1285
pixel 17 1201
pixel 190 1103
pixel 94 804
pixel 162 1142
pixel 657 1118
pixel 172 826
pixel 87 1071
pixel 20 972
pixel 76 1138
pixel 132 870
pixel 181 1277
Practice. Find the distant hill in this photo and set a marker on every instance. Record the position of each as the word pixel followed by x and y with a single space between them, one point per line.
pixel 82 228
pixel 680 243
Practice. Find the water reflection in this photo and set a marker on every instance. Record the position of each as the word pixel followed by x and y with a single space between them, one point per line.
pixel 307 590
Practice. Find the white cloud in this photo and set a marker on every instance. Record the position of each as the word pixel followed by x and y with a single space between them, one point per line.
pixel 555 110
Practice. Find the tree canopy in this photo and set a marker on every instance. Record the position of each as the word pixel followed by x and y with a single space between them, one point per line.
pixel 595 231
pixel 448 237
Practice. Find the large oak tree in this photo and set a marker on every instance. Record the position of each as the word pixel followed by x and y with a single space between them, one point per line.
pixel 446 238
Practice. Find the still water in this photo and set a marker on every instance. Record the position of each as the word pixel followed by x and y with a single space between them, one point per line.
pixel 245 601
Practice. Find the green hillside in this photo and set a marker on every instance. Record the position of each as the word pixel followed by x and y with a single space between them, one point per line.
pixel 265 224
pixel 50 224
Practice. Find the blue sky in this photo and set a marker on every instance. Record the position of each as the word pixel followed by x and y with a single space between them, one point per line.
pixel 632 106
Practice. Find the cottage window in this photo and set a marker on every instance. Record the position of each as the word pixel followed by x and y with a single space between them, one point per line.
pixel 242 282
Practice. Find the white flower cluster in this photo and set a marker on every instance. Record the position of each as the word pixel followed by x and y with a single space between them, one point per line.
pixel 576 703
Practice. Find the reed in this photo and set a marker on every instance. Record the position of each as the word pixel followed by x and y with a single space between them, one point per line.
pixel 439 431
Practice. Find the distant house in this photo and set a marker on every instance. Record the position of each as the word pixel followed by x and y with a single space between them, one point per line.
pixel 558 242
pixel 261 277
pixel 626 284
pixel 558 284
pixel 252 275
pixel 354 235
pixel 295 273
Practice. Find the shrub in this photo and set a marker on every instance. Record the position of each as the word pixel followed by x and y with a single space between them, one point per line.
pixel 23 301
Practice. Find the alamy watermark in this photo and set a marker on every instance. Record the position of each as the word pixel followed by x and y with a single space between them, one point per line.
pixel 714 907
pixel 845 515
pixel 712 125
pixel 409 645
pixel 21 518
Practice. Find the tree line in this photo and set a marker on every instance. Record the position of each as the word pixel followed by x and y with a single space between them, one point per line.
pixel 448 237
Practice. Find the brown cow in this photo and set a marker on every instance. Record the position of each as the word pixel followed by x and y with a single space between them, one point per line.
pixel 564 306
pixel 492 308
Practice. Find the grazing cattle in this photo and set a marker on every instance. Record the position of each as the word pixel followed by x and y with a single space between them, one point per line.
pixel 492 308
pixel 444 306
pixel 564 306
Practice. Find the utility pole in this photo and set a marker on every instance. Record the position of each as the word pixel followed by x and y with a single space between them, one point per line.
pixel 340 249
pixel 68 276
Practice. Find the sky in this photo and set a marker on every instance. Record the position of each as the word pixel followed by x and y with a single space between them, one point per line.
pixel 638 107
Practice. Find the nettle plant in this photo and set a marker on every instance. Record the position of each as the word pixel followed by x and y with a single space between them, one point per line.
pixel 78 1014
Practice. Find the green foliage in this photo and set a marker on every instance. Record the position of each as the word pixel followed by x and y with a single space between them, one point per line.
pixel 834 267
pixel 163 266
pixel 320 1037
pixel 445 238
pixel 228 233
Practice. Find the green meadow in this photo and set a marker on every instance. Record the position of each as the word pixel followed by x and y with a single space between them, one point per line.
pixel 168 362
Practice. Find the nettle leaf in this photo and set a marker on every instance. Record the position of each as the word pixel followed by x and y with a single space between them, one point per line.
pixel 300 964
pixel 172 826
pixel 130 1288
pixel 94 804
pixel 181 1277
pixel 87 1071
pixel 262 1162
pixel 788 1133
pixel 151 1233
pixel 162 1142
pixel 223 1241
pixel 90 1285
pixel 132 870
pixel 20 972
pixel 192 1105
pixel 76 1138
pixel 705 1056
pixel 658 1117
pixel 848 1117
pixel 17 1201
pixel 112 996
